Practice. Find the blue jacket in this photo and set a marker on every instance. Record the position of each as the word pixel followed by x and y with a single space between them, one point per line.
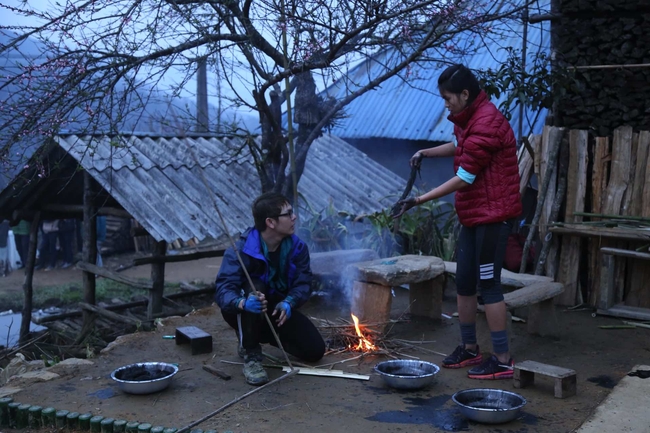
pixel 231 279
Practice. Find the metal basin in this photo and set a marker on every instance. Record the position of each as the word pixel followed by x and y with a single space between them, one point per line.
pixel 407 373
pixel 489 406
pixel 144 377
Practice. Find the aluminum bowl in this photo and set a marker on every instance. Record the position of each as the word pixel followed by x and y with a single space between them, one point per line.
pixel 407 373
pixel 145 386
pixel 489 406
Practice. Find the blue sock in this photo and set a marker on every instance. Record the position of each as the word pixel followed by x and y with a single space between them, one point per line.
pixel 468 333
pixel 500 341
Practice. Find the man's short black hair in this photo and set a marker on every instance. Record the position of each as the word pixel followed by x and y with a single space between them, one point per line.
pixel 268 205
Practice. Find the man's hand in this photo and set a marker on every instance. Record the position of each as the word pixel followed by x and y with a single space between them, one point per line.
pixel 416 159
pixel 283 309
pixel 255 304
pixel 406 205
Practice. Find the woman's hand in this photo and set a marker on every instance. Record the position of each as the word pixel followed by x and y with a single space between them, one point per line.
pixel 406 205
pixel 416 159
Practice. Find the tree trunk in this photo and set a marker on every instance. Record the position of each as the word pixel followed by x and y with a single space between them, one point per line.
pixel 29 278
pixel 89 251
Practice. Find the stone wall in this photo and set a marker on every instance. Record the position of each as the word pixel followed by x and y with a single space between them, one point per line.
pixel 605 32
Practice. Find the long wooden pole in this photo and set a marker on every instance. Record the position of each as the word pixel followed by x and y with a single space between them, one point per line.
pixel 541 196
pixel 234 247
pixel 89 252
pixel 294 371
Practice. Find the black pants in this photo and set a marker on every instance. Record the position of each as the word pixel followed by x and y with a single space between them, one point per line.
pixel 481 251
pixel 22 245
pixel 298 335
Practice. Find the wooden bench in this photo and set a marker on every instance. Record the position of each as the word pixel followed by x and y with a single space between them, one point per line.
pixel 373 280
pixel 565 378
pixel 611 299
pixel 535 292
pixel 199 340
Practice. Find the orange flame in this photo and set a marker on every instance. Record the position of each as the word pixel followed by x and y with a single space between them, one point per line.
pixel 364 344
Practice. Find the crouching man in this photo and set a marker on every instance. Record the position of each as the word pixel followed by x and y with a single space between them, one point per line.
pixel 278 263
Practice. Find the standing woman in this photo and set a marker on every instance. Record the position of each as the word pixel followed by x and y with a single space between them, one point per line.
pixel 487 200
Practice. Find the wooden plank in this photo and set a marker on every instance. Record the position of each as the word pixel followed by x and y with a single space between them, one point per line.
pixel 575 202
pixel 104 272
pixel 638 275
pixel 328 373
pixel 640 174
pixel 600 173
pixel 619 178
pixel 109 314
pixel 219 373
pixel 550 136
pixel 627 312
pixel 628 194
pixel 182 257
pixel 606 298
pixel 632 234
pixel 625 253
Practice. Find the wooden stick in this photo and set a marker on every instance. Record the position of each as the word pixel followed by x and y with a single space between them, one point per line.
pixel 340 362
pixel 227 405
pixel 104 272
pixel 219 373
pixel 541 196
pixel 109 314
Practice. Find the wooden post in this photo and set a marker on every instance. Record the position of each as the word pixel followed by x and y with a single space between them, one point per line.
pixel 158 280
pixel 29 278
pixel 89 252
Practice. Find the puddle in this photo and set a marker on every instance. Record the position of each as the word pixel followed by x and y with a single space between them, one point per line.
pixel 603 380
pixel 426 411
pixel 437 412
pixel 10 328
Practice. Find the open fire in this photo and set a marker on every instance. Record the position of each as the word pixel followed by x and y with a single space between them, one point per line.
pixel 364 345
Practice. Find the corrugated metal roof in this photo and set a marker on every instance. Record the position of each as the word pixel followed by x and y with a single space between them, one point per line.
pixel 408 106
pixel 157 180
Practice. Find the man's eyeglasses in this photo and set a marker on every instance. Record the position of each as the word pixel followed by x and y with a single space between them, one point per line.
pixel 288 213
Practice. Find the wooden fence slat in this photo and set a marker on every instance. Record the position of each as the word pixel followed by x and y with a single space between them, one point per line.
pixel 549 136
pixel 599 174
pixel 644 147
pixel 575 202
pixel 619 178
pixel 638 274
pixel 629 191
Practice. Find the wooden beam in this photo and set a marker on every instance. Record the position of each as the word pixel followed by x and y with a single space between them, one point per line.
pixel 328 373
pixel 54 317
pixel 184 257
pixel 107 273
pixel 602 232
pixel 89 250
pixel 77 209
pixel 158 280
pixel 625 253
pixel 109 314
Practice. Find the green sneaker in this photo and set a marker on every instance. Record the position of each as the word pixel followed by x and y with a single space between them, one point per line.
pixel 255 373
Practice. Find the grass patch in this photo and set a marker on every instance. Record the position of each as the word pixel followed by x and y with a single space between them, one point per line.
pixel 68 295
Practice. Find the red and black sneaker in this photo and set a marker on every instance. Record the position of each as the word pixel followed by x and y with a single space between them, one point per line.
pixel 462 358
pixel 493 369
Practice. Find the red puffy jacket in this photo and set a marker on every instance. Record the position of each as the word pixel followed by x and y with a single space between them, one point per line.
pixel 486 148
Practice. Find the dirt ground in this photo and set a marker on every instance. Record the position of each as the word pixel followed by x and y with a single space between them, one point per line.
pixel 308 403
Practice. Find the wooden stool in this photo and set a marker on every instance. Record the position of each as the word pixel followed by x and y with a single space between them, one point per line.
pixel 565 378
pixel 200 341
